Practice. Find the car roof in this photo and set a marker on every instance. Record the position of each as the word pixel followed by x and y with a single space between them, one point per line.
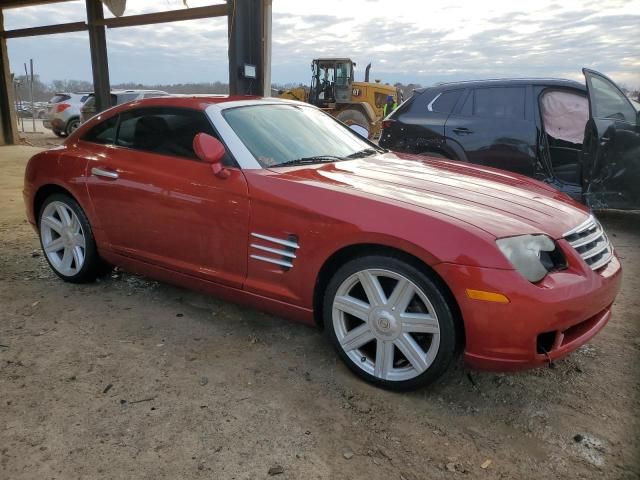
pixel 196 102
pixel 501 82
pixel 332 59
pixel 137 90
pixel 119 91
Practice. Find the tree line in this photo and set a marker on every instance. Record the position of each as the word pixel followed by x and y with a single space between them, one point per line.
pixel 42 91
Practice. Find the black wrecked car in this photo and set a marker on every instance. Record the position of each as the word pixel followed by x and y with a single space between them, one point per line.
pixel 584 140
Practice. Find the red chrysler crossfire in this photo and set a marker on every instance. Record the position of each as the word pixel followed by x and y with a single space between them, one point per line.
pixel 404 261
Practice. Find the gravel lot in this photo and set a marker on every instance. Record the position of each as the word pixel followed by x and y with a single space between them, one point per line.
pixel 128 378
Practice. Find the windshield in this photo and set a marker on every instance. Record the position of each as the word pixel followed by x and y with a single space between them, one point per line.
pixel 279 134
pixel 342 74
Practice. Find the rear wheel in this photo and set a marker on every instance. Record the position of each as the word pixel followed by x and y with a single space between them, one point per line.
pixel 390 323
pixel 67 240
pixel 354 117
pixel 72 125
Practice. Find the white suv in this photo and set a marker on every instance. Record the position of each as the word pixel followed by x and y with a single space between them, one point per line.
pixel 88 109
pixel 63 112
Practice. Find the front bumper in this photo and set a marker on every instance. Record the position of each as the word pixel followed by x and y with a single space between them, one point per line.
pixel 541 323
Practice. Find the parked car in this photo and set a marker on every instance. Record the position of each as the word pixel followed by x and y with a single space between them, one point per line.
pixel 273 203
pixel 117 97
pixel 22 111
pixel 63 115
pixel 585 141
pixel 42 109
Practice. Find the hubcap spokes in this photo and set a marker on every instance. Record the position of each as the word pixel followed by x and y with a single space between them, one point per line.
pixel 63 239
pixel 386 324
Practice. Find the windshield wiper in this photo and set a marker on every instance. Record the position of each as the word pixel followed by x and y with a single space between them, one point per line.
pixel 310 160
pixel 363 153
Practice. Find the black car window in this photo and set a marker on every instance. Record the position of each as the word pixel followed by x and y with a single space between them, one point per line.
pixel 610 103
pixel 467 107
pixel 165 130
pixel 445 102
pixel 103 133
pixel 499 102
pixel 125 97
pixel 89 102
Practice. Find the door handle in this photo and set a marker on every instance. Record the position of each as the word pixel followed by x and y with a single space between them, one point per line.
pixel 462 131
pixel 101 172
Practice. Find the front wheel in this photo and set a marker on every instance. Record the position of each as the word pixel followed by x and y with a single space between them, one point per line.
pixel 67 240
pixel 390 322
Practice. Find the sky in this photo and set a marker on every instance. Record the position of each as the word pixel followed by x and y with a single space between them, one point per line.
pixel 408 41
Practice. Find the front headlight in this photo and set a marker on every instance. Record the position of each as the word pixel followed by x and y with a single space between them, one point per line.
pixel 531 255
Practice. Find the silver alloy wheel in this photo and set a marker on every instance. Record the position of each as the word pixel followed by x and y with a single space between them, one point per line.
pixel 63 239
pixel 393 336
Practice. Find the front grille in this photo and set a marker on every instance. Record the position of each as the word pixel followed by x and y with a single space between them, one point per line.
pixel 590 241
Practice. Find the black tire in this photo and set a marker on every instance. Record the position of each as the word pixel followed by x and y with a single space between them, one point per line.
pixel 58 133
pixel 446 350
pixel 351 116
pixel 71 126
pixel 93 265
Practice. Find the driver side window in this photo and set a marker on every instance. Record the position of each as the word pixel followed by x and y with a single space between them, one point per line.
pixel 163 130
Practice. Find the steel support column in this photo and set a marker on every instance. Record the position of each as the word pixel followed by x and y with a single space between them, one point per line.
pixel 246 45
pixel 266 47
pixel 8 121
pixel 99 61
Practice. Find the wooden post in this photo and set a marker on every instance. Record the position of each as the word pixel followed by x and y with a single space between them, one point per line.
pixel 99 59
pixel 8 120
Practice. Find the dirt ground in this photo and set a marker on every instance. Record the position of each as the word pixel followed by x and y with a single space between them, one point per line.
pixel 127 378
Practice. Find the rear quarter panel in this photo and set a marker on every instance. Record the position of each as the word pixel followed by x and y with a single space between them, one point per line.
pixel 61 167
pixel 415 129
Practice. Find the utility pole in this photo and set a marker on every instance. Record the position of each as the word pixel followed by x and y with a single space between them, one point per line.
pixel 33 113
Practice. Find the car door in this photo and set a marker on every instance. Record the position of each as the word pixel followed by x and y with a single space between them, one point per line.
pixel 158 203
pixel 418 125
pixel 495 127
pixel 611 149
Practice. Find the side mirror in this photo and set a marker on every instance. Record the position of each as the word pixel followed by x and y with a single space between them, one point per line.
pixel 359 130
pixel 210 150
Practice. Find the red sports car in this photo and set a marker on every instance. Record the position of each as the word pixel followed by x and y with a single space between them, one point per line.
pixel 403 260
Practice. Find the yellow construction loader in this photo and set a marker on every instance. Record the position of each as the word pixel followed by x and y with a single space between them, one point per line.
pixel 334 90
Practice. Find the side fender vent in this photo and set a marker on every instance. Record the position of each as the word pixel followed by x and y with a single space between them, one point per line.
pixel 274 250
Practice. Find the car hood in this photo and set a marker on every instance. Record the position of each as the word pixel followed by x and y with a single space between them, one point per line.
pixel 498 202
